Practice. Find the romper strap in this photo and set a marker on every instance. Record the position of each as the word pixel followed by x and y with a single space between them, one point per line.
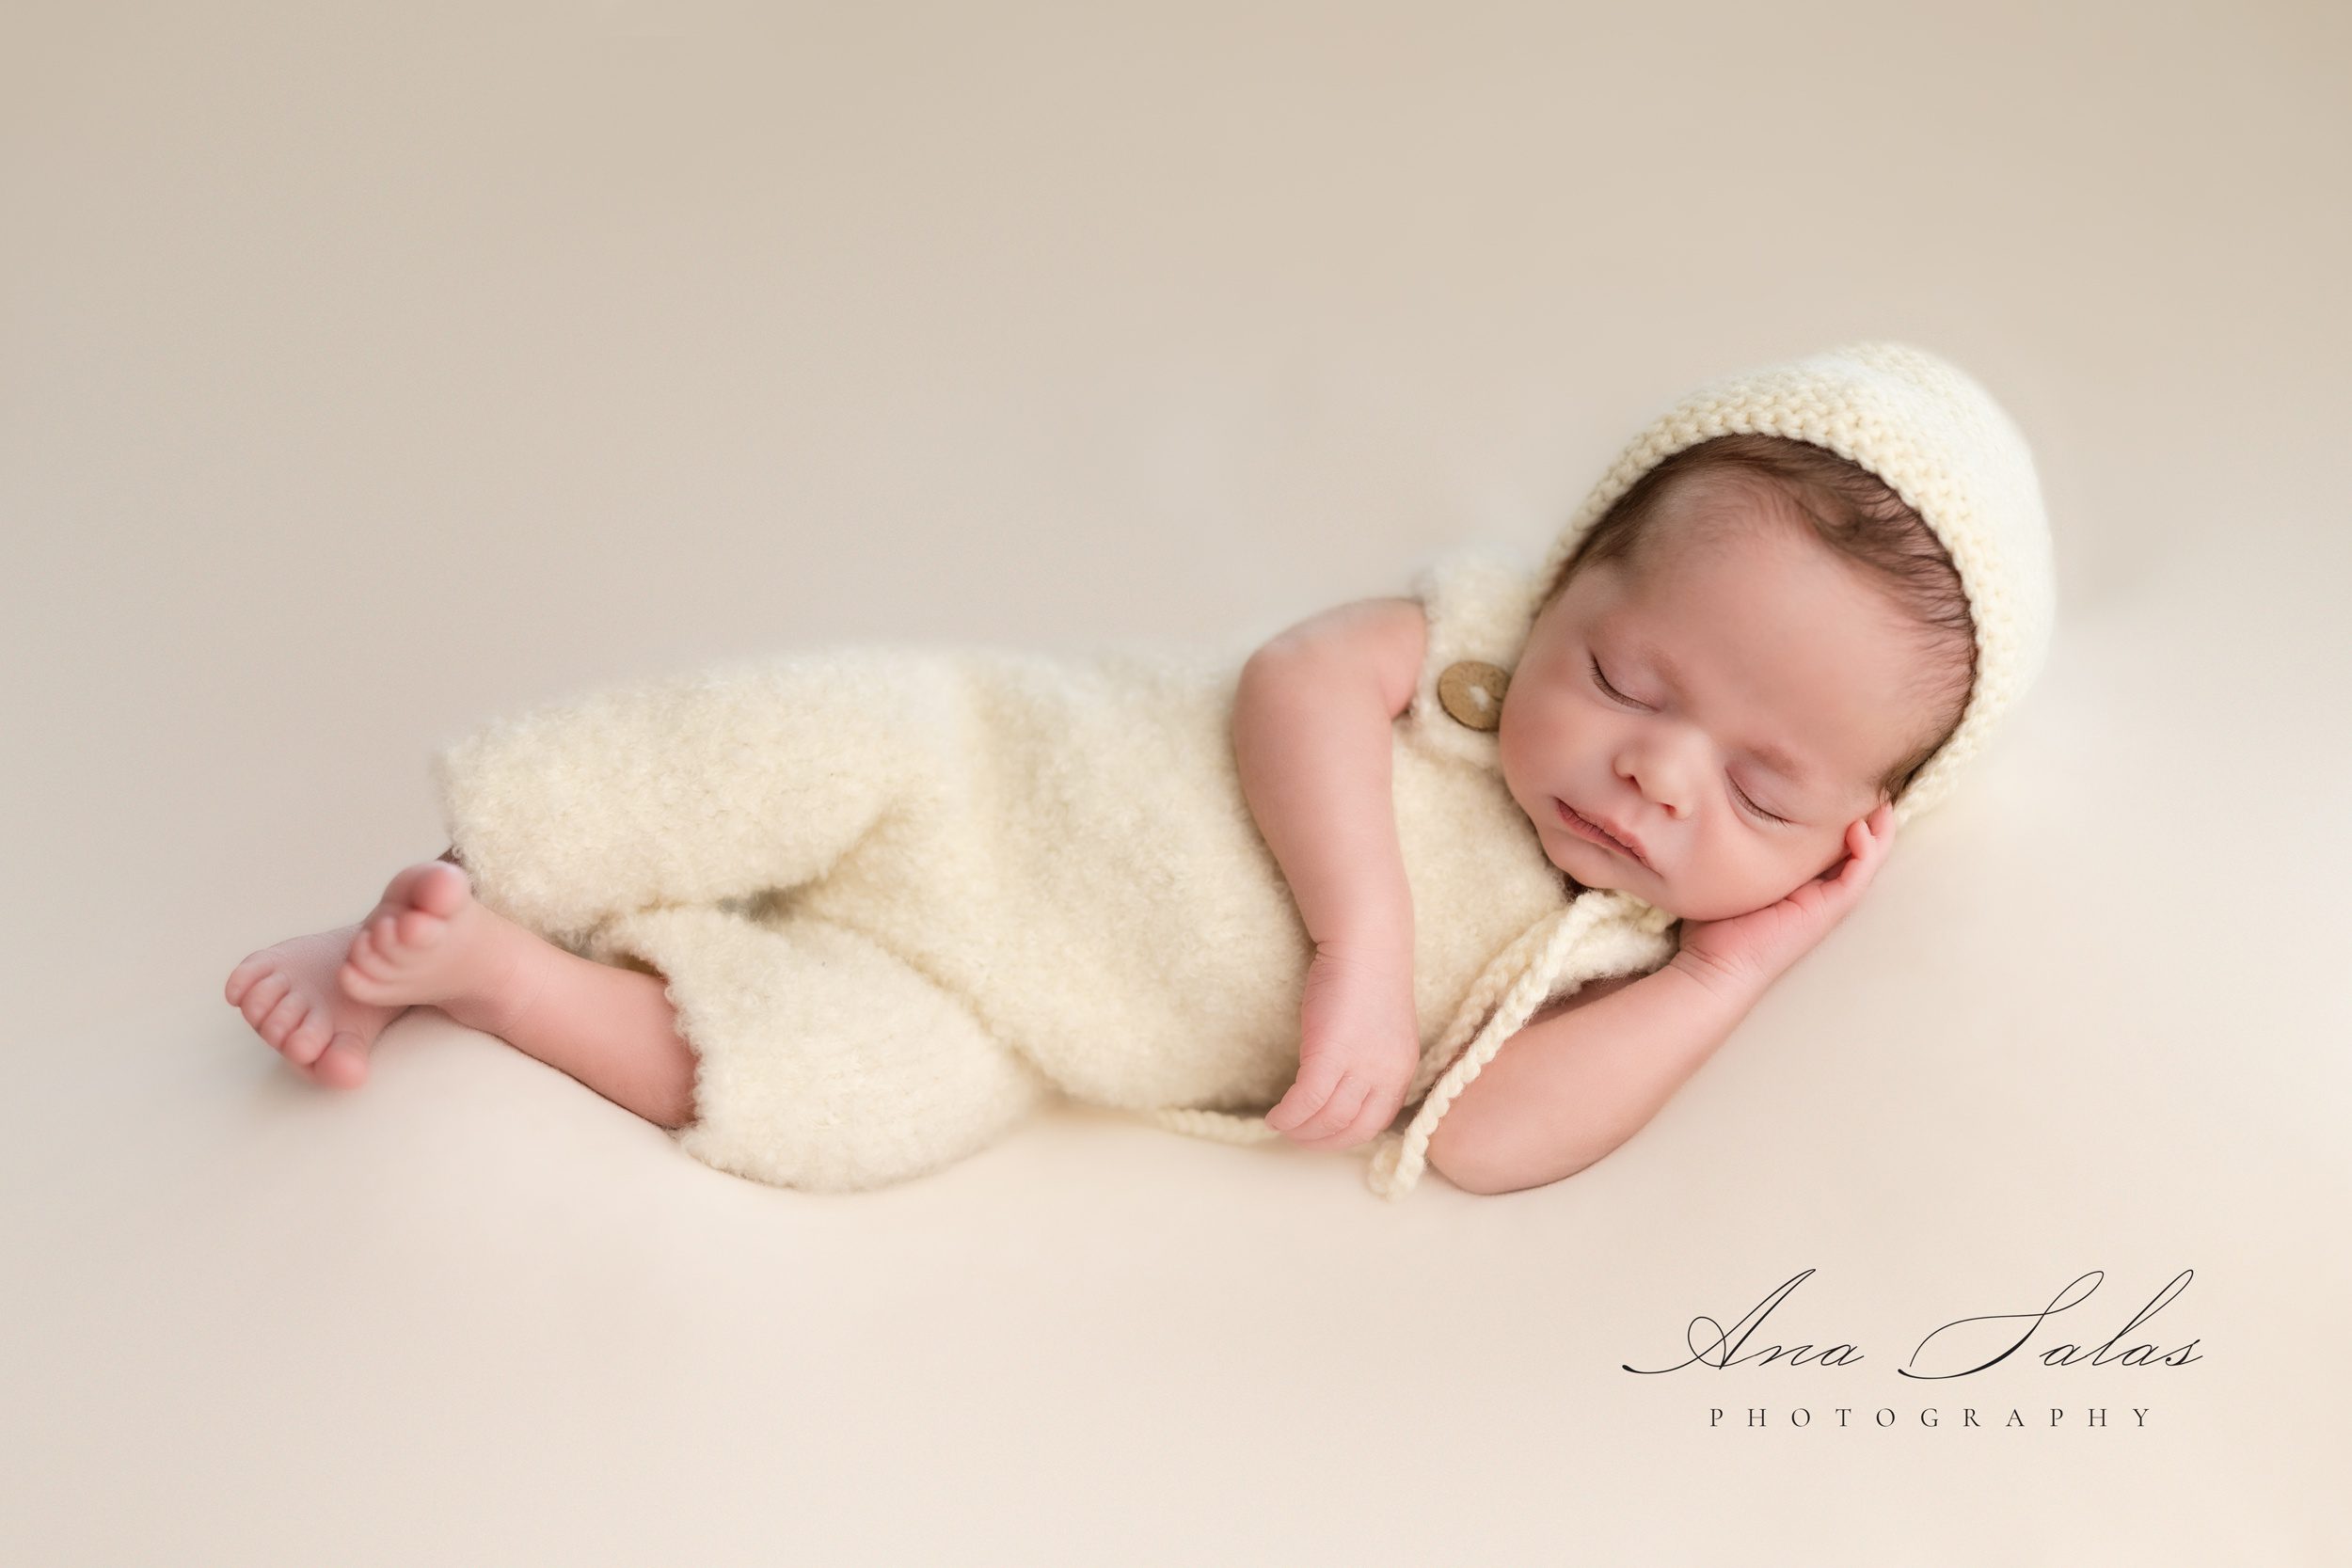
pixel 1479 603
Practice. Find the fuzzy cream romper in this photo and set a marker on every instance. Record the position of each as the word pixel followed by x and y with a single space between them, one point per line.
pixel 903 895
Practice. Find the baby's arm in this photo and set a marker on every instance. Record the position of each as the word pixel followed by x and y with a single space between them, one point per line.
pixel 1312 738
pixel 1585 1076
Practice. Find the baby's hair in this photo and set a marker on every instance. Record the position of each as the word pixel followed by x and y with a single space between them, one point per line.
pixel 1851 510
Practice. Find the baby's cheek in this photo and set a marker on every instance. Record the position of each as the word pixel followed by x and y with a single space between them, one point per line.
pixel 1521 775
pixel 1526 736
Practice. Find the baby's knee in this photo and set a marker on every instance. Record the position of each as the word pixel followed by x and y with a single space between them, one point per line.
pixel 828 1132
pixel 824 1062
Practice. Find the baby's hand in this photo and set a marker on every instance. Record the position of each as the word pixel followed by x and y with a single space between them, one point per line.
pixel 1749 951
pixel 1360 1045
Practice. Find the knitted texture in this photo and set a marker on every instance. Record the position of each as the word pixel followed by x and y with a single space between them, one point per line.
pixel 1939 439
pixel 1478 603
pixel 1600 935
pixel 903 895
pixel 1932 432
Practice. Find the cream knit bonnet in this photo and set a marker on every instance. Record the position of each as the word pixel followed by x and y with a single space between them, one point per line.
pixel 1939 439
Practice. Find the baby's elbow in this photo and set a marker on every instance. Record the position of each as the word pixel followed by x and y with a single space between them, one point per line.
pixel 1489 1170
pixel 1468 1164
pixel 1457 1156
pixel 1488 1184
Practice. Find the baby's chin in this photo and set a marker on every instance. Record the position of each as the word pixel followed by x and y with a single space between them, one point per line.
pixel 1603 872
pixel 1657 893
pixel 1644 885
pixel 1583 877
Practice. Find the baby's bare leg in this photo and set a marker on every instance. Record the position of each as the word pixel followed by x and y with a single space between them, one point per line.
pixel 429 942
pixel 612 1028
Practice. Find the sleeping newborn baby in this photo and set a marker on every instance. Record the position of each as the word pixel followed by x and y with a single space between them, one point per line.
pixel 1505 859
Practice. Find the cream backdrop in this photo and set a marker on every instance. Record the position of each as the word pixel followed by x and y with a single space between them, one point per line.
pixel 367 371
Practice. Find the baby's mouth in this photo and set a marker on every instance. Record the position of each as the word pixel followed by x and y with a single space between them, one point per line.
pixel 1579 821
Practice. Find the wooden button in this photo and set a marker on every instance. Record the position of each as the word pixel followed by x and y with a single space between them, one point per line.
pixel 1471 692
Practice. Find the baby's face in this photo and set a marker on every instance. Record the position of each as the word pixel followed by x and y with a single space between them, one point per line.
pixel 1653 699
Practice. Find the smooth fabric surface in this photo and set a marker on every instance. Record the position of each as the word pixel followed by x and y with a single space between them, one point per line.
pixel 363 376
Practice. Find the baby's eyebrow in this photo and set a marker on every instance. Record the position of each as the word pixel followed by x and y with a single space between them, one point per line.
pixel 1774 757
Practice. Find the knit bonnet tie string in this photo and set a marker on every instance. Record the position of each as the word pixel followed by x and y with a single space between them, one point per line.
pixel 1527 967
pixel 1522 976
pixel 1927 429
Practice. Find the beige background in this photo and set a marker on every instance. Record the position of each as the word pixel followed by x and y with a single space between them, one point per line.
pixel 365 372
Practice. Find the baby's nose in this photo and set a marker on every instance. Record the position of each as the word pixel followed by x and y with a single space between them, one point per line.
pixel 1663 780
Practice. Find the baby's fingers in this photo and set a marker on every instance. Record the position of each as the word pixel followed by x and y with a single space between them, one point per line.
pixel 1307 1097
pixel 1337 1122
pixel 1872 841
pixel 1867 842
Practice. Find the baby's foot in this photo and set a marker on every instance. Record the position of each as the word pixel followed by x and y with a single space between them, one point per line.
pixel 321 1000
pixel 288 993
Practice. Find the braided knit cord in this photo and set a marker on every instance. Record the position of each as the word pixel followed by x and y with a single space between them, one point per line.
pixel 1218 1126
pixel 1225 1127
pixel 1938 437
pixel 1505 995
pixel 1396 1167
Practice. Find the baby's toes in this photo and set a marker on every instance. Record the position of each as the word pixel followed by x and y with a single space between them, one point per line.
pixel 345 1064
pixel 387 938
pixel 366 954
pixel 264 994
pixel 420 929
pixel 284 1017
pixel 302 1046
pixel 362 976
pixel 244 975
pixel 441 888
